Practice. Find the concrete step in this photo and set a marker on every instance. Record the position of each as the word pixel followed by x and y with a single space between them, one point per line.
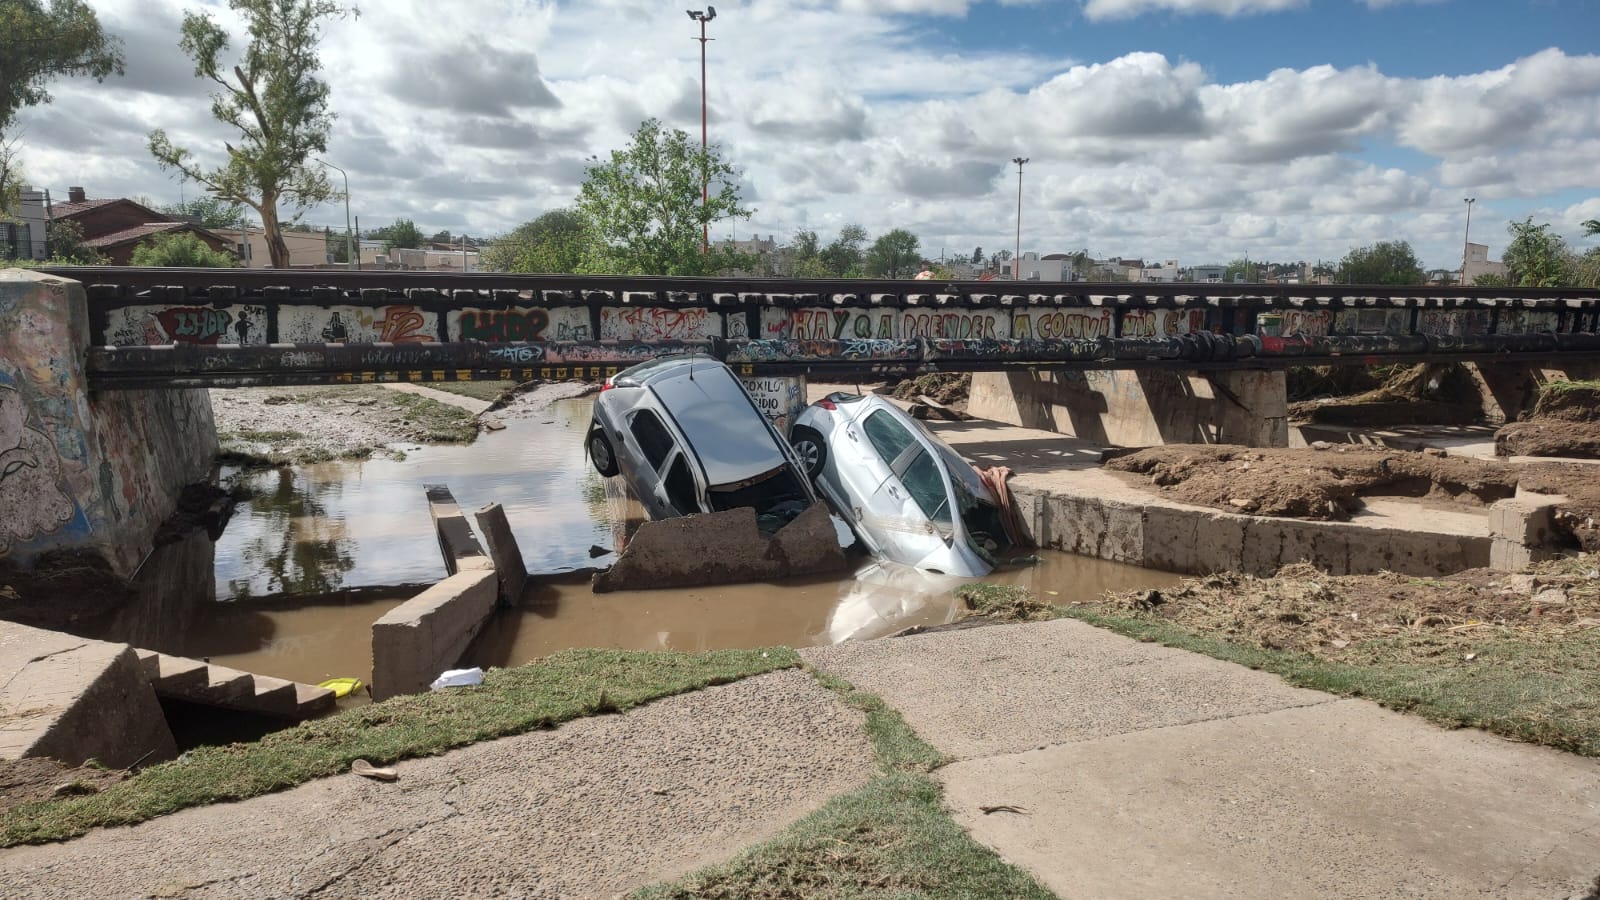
pixel 194 681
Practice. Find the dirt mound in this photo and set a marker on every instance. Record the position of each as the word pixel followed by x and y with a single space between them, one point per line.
pixel 948 388
pixel 1411 395
pixel 1310 483
pixel 1303 609
pixel 27 780
pixel 1564 422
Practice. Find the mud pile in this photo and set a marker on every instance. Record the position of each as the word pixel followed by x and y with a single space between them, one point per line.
pixel 1564 422
pixel 1409 395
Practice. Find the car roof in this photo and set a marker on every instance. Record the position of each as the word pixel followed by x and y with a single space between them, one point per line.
pixel 726 431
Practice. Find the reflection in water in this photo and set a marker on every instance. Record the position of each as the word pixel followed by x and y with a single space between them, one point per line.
pixel 315 529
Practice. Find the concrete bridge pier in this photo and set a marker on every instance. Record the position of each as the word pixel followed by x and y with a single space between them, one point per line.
pixel 1139 408
pixel 85 478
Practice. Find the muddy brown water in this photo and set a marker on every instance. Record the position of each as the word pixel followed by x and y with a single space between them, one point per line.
pixel 301 567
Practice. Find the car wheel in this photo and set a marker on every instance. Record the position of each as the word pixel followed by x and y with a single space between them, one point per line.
pixel 605 461
pixel 808 445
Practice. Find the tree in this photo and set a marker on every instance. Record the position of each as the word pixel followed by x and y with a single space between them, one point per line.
pixel 65 238
pixel 277 103
pixel 1591 227
pixel 183 248
pixel 45 39
pixel 1242 270
pixel 842 256
pixel 1536 257
pixel 443 237
pixel 894 255
pixel 642 206
pixel 207 212
pixel 403 234
pixel 554 243
pixel 1386 262
pixel 977 256
pixel 10 179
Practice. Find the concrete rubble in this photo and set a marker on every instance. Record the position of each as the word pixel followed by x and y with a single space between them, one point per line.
pixel 724 548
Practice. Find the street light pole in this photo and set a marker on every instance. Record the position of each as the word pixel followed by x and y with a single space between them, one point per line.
pixel 707 15
pixel 1466 239
pixel 349 236
pixel 1016 261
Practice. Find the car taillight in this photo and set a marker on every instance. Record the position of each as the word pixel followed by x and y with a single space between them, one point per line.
pixel 606 385
pixel 826 404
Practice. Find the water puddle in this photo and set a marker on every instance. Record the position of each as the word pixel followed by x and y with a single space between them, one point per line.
pixel 319 552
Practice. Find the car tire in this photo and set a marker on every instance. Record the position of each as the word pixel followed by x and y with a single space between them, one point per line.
pixel 809 446
pixel 600 452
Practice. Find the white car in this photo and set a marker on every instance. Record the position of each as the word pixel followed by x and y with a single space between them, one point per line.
pixel 908 496
pixel 687 437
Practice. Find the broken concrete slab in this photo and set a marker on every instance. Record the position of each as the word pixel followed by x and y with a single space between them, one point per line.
pixel 503 550
pixel 461 549
pixel 427 634
pixel 73 699
pixel 724 548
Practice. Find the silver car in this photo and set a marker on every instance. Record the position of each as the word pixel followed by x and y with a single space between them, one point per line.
pixel 688 439
pixel 908 496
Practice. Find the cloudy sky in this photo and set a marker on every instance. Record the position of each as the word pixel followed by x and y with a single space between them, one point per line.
pixel 1201 130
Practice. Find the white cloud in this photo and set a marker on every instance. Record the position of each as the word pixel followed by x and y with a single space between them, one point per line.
pixel 839 111
pixel 1127 9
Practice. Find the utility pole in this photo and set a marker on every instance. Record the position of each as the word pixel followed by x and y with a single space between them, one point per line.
pixel 1016 261
pixel 349 239
pixel 1466 239
pixel 707 15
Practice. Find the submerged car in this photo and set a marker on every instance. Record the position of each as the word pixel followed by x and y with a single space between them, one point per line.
pixel 688 439
pixel 908 496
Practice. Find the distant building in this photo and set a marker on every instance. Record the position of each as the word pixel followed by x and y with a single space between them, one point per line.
pixel 307 249
pixel 114 227
pixel 1207 274
pixel 22 229
pixel 375 256
pixel 1478 263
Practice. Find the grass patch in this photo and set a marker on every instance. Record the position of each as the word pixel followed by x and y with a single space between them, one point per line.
pixel 487 391
pixel 1005 602
pixel 438 423
pixel 891 838
pixel 1543 692
pixel 564 686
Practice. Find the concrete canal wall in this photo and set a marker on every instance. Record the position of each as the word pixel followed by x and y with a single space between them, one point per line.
pixel 85 479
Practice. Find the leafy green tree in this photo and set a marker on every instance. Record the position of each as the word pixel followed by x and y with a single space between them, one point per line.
pixel 842 257
pixel 1490 279
pixel 1242 269
pixel 183 248
pixel 11 178
pixel 276 101
pixel 41 40
pixel 208 212
pixel 894 255
pixel 1536 256
pixel 442 237
pixel 977 256
pixel 554 243
pixel 642 206
pixel 1386 262
pixel 1591 227
pixel 803 256
pixel 65 237
pixel 403 234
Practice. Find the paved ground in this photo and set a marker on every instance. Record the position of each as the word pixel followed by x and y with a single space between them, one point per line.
pixel 1143 771
pixel 594 808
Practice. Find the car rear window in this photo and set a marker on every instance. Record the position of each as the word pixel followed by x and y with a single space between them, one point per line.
pixel 888 436
pixel 654 439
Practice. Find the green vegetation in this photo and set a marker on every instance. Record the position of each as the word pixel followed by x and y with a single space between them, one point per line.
pixel 567 685
pixel 45 40
pixel 435 422
pixel 894 255
pixel 1541 691
pixel 1386 262
pixel 1005 602
pixel 891 838
pixel 181 249
pixel 274 99
pixel 642 207
pixel 551 244
pixel 489 391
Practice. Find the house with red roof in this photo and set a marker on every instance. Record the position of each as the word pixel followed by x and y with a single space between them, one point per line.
pixel 114 227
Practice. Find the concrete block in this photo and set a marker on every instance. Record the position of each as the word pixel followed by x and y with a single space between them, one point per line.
pixel 74 699
pixel 1510 556
pixel 461 549
pixel 503 551
pixel 1527 520
pixel 723 548
pixel 426 635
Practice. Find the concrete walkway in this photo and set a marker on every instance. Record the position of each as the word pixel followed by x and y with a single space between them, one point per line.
pixel 594 808
pixel 1137 770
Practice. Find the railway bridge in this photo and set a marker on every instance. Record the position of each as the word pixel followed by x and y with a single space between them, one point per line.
pixel 102 420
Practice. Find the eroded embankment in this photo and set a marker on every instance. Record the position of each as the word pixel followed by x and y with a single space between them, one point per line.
pixel 1330 482
pixel 1564 422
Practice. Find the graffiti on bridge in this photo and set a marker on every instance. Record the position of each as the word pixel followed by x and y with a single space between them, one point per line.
pixel 1149 323
pixel 779 399
pixel 1089 323
pixel 150 326
pixel 880 324
pixel 397 324
pixel 498 326
pixel 654 323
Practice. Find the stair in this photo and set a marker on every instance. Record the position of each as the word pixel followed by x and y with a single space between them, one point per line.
pixel 194 681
